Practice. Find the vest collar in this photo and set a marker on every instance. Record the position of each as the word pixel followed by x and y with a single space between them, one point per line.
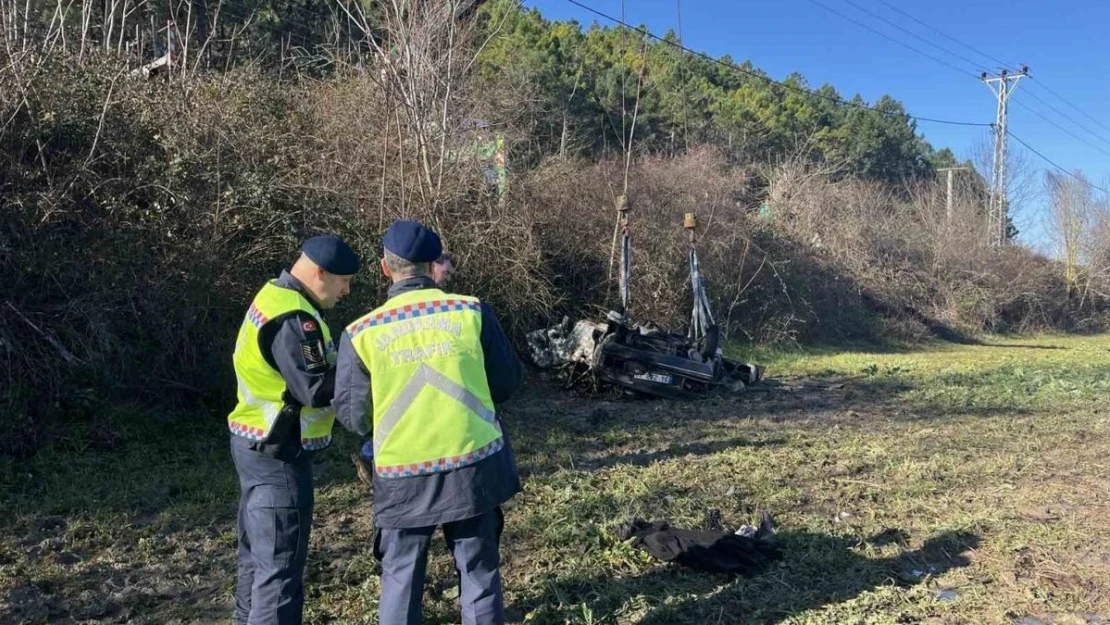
pixel 287 281
pixel 414 283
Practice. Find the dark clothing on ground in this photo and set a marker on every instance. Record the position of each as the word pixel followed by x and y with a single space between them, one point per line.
pixel 705 550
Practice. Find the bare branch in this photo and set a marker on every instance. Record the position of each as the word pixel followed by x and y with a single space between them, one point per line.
pixel 103 115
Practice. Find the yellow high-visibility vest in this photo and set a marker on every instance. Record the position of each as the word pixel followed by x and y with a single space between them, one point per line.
pixel 432 406
pixel 260 385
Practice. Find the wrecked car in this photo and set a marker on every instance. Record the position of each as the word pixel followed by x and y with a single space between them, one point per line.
pixel 642 357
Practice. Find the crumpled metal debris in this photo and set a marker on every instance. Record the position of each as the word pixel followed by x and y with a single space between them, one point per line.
pixel 642 358
pixel 563 343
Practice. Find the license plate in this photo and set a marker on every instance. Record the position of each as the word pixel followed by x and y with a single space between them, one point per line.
pixel 661 378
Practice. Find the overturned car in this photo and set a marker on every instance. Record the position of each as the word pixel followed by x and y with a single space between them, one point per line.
pixel 643 357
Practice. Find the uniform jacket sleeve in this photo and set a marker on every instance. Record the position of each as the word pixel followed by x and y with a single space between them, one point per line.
pixel 300 356
pixel 504 371
pixel 352 395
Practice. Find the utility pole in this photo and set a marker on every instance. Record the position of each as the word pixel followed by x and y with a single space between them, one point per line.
pixel 1002 86
pixel 948 204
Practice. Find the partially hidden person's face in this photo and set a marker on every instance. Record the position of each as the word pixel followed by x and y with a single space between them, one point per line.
pixel 332 288
pixel 442 272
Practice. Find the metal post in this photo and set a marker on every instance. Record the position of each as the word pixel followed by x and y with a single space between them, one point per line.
pixel 1003 87
pixel 948 202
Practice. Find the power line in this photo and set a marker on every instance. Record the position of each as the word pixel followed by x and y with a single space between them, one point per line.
pixel 1067 117
pixel 1056 110
pixel 1061 128
pixel 1028 108
pixel 1054 164
pixel 704 56
pixel 913 34
pixel 741 70
pixel 1031 94
pixel 1065 101
pixel 888 37
pixel 942 34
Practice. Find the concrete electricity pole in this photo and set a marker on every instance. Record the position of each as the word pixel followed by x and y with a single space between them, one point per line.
pixel 1002 86
pixel 948 204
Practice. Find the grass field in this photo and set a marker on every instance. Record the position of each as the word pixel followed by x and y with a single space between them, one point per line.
pixel 948 484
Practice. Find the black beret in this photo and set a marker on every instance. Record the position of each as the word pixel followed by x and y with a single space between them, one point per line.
pixel 331 254
pixel 412 241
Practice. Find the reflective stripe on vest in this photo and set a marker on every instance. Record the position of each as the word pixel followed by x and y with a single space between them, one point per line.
pixel 427 376
pixel 432 407
pixel 260 386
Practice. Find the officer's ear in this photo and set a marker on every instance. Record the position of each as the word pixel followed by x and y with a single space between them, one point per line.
pixel 385 269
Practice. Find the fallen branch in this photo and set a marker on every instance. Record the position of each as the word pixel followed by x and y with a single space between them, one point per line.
pixel 62 351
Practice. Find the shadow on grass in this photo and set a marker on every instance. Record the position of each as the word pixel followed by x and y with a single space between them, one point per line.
pixel 554 429
pixel 678 450
pixel 895 398
pixel 141 533
pixel 817 570
pixel 173 583
pixel 165 476
pixel 152 465
pixel 1025 346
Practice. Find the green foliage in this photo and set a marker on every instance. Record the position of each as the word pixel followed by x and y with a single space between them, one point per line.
pixel 585 83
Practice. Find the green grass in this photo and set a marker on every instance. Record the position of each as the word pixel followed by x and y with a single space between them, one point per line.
pixel 893 474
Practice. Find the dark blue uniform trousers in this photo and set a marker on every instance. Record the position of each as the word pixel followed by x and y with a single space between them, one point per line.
pixel 404 557
pixel 275 517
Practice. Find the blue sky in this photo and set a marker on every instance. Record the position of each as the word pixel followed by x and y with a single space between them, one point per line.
pixel 1065 45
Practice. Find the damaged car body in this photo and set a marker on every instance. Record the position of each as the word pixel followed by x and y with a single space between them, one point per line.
pixel 643 357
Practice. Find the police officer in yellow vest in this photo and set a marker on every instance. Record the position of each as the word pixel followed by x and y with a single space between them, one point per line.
pixel 421 375
pixel 285 367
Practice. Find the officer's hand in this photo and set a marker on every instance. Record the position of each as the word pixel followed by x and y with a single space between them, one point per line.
pixel 367 451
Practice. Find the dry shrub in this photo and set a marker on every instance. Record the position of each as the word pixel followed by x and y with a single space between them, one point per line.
pixel 572 206
pixel 765 286
pixel 924 269
pixel 138 219
pixel 133 246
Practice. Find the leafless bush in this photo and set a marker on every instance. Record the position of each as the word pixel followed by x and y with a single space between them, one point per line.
pixel 764 285
pixel 138 217
pixel 922 264
pixel 1078 222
